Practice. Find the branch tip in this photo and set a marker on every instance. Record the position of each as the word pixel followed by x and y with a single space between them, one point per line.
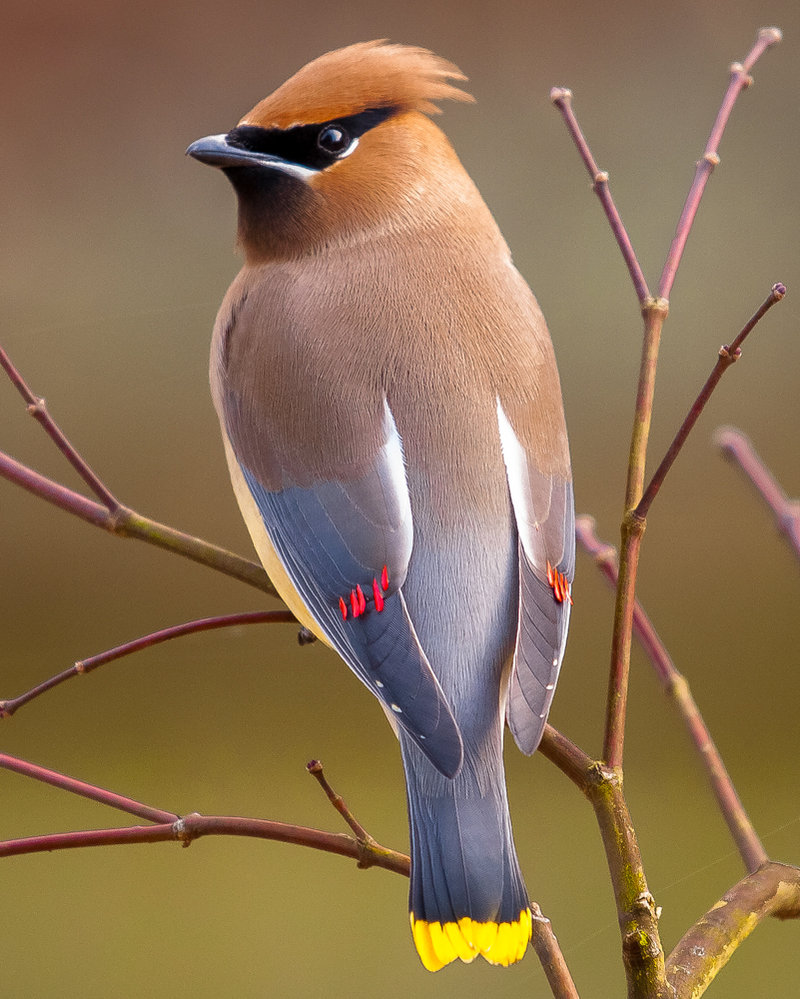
pixel 560 95
pixel 773 35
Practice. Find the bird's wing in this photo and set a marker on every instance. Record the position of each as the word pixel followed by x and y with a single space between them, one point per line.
pixel 345 547
pixel 545 516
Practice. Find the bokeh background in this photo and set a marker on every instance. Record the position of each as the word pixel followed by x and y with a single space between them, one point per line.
pixel 116 251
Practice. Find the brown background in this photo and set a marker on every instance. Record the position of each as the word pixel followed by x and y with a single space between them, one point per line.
pixel 115 253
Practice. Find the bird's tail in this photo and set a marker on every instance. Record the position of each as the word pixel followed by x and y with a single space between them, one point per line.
pixel 467 895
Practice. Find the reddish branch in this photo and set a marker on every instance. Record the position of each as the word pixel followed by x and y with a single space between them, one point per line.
pixel 562 98
pixel 677 688
pixel 84 666
pixel 727 356
pixel 739 81
pixel 737 446
pixel 170 826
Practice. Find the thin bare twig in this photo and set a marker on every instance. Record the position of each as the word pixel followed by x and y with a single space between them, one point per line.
pixel 738 447
pixel 677 688
pixel 562 98
pixel 38 410
pixel 79 787
pixel 727 356
pixel 740 79
pixel 314 767
pixel 84 666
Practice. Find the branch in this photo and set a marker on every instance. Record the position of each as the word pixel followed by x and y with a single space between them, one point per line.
pixel 655 312
pixel 550 956
pixel 739 81
pixel 772 890
pixel 677 688
pixel 37 408
pixel 562 98
pixel 84 666
pixel 738 447
pixel 169 826
pixel 642 954
pixel 727 356
pixel 110 514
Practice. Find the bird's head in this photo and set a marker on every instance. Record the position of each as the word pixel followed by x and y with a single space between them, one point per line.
pixel 343 151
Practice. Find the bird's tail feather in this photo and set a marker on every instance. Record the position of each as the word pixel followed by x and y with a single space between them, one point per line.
pixel 467 895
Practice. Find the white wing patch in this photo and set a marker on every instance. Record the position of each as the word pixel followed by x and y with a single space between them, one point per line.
pixel 516 462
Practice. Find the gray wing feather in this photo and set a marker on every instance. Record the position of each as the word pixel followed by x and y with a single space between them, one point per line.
pixel 545 515
pixel 335 536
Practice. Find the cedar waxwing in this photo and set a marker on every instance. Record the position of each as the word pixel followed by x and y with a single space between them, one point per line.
pixel 392 419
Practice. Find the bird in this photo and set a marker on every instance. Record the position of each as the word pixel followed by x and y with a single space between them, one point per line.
pixel 392 418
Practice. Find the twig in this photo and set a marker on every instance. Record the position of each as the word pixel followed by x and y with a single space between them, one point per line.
pixel 550 956
pixel 738 447
pixel 84 666
pixel 314 767
pixel 170 826
pixel 727 356
pixel 773 890
pixel 110 514
pixel 677 688
pixel 85 790
pixel 740 79
pixel 38 410
pixel 562 98
pixel 126 523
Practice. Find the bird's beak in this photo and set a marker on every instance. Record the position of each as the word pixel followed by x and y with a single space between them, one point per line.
pixel 216 150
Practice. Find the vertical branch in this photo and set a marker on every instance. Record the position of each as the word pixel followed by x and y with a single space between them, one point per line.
pixel 655 312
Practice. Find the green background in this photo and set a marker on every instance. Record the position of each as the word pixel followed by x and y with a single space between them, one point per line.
pixel 116 251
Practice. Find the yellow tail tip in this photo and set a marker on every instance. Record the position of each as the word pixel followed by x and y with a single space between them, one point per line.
pixel 499 943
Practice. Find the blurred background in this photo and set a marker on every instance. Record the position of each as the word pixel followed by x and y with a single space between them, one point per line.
pixel 116 251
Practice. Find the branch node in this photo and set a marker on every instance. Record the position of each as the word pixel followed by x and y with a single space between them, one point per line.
pixel 601 177
pixel 729 355
pixel 634 523
pixel 182 832
pixel 713 159
pixel 737 69
pixel 659 306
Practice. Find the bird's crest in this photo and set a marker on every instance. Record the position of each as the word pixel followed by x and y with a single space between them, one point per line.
pixel 360 77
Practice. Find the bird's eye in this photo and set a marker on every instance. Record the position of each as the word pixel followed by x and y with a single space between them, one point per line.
pixel 333 139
